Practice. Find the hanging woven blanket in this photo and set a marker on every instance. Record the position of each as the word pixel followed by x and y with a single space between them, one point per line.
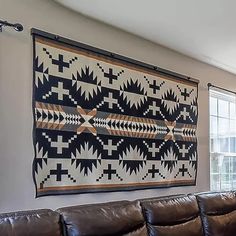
pixel 107 124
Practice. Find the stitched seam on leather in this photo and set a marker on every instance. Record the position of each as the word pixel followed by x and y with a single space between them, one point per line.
pixel 164 198
pixel 218 213
pixel 98 205
pixel 25 213
pixel 179 222
pixel 20 216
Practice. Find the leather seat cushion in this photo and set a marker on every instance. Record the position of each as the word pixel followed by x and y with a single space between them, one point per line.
pixel 173 216
pixel 27 223
pixel 218 213
pixel 114 218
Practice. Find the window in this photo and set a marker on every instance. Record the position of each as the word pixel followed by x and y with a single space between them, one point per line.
pixel 222 140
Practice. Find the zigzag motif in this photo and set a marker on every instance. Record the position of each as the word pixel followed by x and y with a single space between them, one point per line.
pixel 49 116
pixel 54 117
pixel 72 119
pixel 132 126
pixel 189 133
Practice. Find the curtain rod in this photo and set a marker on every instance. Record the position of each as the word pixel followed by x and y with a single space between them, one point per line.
pixel 112 55
pixel 214 86
pixel 17 26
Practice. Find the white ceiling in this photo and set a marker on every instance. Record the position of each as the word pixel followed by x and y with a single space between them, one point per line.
pixel 202 29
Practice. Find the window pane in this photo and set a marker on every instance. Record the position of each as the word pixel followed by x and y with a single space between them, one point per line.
pixel 223 126
pixel 234 165
pixel 214 125
pixel 234 181
pixel 225 165
pixel 213 106
pixel 223 107
pixel 225 183
pixel 214 145
pixel 232 110
pixel 233 127
pixel 232 145
pixel 215 183
pixel 224 144
pixel 214 165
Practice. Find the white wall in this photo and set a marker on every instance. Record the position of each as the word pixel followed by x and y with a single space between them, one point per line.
pixel 17 190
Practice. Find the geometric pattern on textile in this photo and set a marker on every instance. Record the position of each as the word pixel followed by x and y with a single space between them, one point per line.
pixel 102 124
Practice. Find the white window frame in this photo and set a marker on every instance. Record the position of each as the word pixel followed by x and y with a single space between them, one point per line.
pixel 218 156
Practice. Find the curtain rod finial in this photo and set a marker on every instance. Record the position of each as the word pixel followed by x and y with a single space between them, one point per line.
pixel 18 27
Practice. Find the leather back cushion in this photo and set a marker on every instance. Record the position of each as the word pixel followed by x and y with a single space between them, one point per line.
pixel 114 218
pixel 28 223
pixel 218 212
pixel 173 216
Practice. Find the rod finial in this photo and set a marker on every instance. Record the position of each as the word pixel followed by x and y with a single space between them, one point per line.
pixel 17 26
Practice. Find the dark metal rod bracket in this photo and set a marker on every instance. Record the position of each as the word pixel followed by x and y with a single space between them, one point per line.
pixel 18 27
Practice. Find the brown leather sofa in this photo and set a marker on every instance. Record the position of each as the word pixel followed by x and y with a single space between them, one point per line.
pixel 181 215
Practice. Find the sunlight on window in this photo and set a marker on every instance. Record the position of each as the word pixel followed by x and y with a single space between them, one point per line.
pixel 222 139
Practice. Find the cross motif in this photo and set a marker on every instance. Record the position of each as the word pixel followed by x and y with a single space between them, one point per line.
pixel 59 144
pixel 60 91
pixel 60 63
pixel 153 171
pixel 183 150
pixel 110 75
pixel 185 94
pixel 86 120
pixel 154 108
pixel 153 149
pixel 59 172
pixel 110 100
pixel 183 170
pixel 184 113
pixel 154 87
pixel 109 147
pixel 109 171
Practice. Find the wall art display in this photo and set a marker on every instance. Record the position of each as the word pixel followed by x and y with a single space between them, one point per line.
pixel 103 122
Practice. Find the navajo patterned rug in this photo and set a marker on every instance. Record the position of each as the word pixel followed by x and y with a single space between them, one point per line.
pixel 103 124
